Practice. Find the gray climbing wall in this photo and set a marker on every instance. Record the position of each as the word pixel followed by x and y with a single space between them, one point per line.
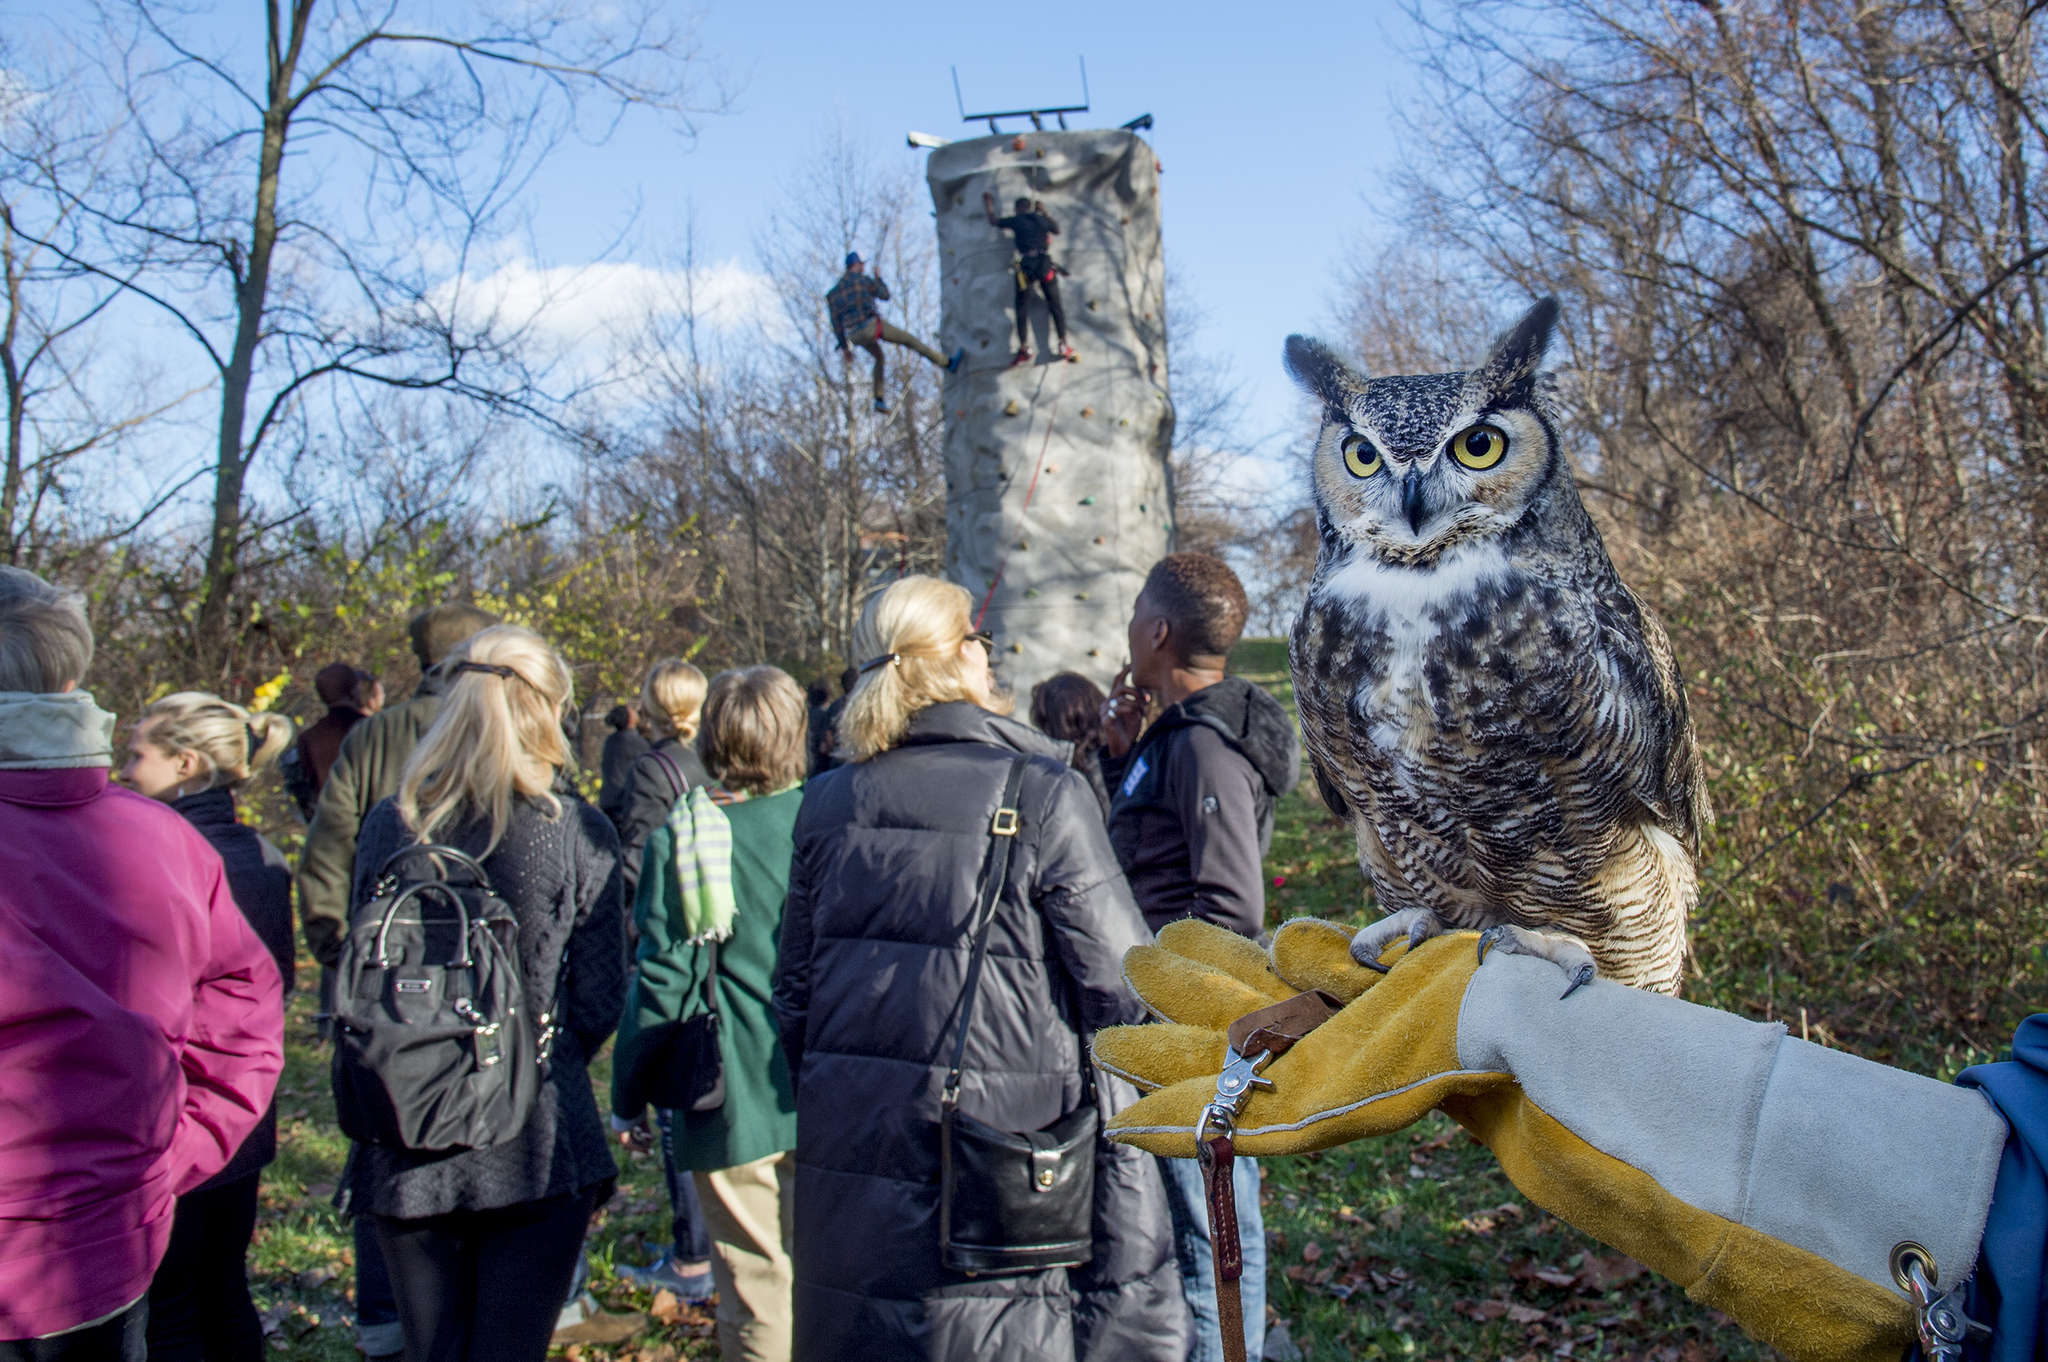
pixel 1055 472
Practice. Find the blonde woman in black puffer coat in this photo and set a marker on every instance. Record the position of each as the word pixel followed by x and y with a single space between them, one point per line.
pixel 876 941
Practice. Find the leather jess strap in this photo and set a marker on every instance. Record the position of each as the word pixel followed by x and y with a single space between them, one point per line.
pixel 1272 1031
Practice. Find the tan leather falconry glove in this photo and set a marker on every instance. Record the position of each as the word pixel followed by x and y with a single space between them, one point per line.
pixel 1774 1180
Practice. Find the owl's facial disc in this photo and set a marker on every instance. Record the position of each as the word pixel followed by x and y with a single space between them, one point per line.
pixel 1408 495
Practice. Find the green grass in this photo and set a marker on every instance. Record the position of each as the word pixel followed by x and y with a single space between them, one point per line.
pixel 302 1264
pixel 1414 1246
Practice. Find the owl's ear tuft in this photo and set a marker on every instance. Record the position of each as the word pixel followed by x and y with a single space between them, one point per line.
pixel 1517 356
pixel 1317 369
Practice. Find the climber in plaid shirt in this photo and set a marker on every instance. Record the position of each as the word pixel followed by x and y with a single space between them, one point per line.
pixel 855 322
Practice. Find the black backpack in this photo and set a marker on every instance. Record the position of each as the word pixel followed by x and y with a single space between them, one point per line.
pixel 436 1047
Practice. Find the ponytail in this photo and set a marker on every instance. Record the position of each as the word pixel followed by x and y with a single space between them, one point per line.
pixel 908 641
pixel 234 743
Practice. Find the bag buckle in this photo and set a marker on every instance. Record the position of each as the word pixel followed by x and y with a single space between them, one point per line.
pixel 1004 824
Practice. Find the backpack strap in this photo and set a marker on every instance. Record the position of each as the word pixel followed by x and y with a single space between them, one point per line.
pixel 677 784
pixel 437 851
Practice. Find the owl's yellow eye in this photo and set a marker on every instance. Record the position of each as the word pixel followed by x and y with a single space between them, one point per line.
pixel 1361 456
pixel 1479 448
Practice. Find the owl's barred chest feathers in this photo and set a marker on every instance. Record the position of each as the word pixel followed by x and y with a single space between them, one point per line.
pixel 1497 713
pixel 1485 745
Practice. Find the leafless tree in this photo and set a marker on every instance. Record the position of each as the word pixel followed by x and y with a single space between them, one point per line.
pixel 60 407
pixel 260 178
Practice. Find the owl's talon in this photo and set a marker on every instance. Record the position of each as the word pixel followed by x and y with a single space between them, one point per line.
pixel 1415 925
pixel 1492 937
pixel 1567 953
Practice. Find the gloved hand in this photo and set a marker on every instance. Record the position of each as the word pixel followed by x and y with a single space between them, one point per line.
pixel 1743 1165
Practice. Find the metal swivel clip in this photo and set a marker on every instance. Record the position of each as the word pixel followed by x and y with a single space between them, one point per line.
pixel 1233 1085
pixel 1937 1314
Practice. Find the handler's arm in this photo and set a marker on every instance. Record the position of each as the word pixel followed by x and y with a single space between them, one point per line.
pixel 1770 1178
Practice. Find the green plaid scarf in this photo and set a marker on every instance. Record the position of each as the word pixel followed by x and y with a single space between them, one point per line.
pixel 703 862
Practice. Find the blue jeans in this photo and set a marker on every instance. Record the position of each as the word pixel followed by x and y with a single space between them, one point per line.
pixel 690 1242
pixel 1198 1269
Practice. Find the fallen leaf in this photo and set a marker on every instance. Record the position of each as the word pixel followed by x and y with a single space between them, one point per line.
pixel 1311 1251
pixel 665 1308
pixel 1598 1274
pixel 320 1191
pixel 1391 1218
pixel 1525 1314
pixel 1553 1276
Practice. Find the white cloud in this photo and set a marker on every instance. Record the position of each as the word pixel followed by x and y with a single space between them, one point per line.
pixel 17 96
pixel 578 305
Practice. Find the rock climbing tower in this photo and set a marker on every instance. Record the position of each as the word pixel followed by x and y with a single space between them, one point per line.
pixel 1057 498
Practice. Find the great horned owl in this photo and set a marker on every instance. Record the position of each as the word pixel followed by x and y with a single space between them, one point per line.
pixel 1498 714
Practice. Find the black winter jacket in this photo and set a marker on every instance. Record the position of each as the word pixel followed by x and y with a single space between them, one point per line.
pixel 651 791
pixel 560 877
pixel 1191 805
pixel 614 763
pixel 873 958
pixel 261 880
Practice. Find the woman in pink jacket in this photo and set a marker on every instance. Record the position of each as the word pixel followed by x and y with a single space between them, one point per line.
pixel 140 1029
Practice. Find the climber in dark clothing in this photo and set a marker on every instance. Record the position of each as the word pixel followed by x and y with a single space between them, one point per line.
pixel 855 321
pixel 1033 232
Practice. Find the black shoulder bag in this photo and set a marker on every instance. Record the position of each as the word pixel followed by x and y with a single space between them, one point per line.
pixel 1011 1201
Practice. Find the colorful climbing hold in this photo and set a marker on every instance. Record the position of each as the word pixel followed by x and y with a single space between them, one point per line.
pixel 1090 501
pixel 1087 412
pixel 1010 407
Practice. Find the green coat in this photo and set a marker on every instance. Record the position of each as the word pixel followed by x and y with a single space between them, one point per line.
pixel 759 1115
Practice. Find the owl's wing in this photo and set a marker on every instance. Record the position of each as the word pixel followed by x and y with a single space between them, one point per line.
pixel 1671 781
pixel 1323 722
pixel 1328 788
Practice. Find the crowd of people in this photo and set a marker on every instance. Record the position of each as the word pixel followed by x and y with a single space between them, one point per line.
pixel 789 893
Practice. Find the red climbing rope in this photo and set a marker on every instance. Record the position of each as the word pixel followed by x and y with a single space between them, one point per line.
pixel 1029 492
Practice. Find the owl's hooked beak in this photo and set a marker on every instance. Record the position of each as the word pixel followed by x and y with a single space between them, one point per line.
pixel 1413 505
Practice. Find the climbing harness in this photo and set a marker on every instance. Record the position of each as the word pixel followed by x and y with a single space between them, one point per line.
pixel 1256 1039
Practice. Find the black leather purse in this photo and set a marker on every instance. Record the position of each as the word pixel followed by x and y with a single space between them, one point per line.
pixel 678 1066
pixel 1011 1201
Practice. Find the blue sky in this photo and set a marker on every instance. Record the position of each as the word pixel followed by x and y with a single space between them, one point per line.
pixel 1274 126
